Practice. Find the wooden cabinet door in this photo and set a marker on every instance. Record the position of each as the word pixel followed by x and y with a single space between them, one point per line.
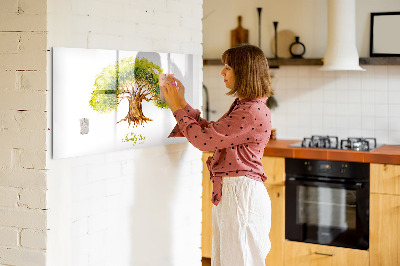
pixel 305 254
pixel 277 233
pixel 274 168
pixel 385 178
pixel 206 226
pixel 384 236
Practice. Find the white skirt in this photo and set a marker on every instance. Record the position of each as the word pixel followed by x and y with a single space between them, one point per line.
pixel 241 223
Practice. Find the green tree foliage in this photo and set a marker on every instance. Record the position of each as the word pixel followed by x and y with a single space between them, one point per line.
pixel 133 79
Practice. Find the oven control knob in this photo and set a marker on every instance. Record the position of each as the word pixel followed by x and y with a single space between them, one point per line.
pixel 308 166
pixel 343 168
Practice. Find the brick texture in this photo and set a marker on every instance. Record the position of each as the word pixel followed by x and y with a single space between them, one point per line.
pixel 23 126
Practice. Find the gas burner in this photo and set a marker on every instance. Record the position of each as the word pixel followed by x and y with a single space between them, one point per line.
pixel 332 142
pixel 327 142
pixel 358 144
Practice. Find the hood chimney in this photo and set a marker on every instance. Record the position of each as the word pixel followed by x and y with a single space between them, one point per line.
pixel 341 51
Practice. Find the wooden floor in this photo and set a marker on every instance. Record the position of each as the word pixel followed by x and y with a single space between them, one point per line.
pixel 206 261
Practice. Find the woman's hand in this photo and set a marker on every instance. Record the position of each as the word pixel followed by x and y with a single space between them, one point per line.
pixel 181 92
pixel 172 94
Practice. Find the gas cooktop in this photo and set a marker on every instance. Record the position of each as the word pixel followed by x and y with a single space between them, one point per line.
pixel 332 142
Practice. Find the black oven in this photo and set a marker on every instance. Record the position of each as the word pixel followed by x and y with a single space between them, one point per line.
pixel 327 202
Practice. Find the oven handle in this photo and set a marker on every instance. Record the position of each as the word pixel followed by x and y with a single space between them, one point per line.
pixel 357 185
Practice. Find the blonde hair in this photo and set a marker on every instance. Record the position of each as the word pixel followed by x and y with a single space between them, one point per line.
pixel 250 66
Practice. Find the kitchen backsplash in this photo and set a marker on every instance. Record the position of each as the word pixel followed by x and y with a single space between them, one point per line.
pixel 314 102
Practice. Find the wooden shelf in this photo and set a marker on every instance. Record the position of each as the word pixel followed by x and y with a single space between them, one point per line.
pixel 380 61
pixel 273 63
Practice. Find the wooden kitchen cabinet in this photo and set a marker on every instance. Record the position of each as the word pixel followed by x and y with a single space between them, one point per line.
pixel 305 254
pixel 384 236
pixel 385 178
pixel 206 225
pixel 274 168
pixel 277 233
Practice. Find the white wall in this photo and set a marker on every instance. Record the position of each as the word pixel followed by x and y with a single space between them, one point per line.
pixel 305 18
pixel 23 133
pixel 135 207
pixel 311 102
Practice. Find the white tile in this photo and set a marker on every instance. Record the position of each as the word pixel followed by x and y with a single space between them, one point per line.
pixel 381 123
pixel 342 96
pixel 316 72
pixel 292 82
pixel 291 71
pixel 329 121
pixel 279 72
pixel 317 120
pixel 342 122
pixel 329 131
pixel 304 72
pixel 355 96
pixel 381 97
pixel 354 83
pixel 355 132
pixel 355 122
pixel 367 83
pixel 355 75
pixel 316 82
pixel 317 107
pixel 317 131
pixel 382 136
pixel 369 70
pixel 328 74
pixel 355 109
pixel 394 123
pixel 367 96
pixel 367 110
pixel 278 83
pixel 342 109
pixel 342 133
pixel 381 110
pixel 317 95
pixel 394 137
pixel 394 70
pixel 380 71
pixel 303 82
pixel 342 81
pixel 304 109
pixel 329 109
pixel 329 95
pixel 381 84
pixel 394 97
pixel 394 110
pixel 368 122
pixel 394 83
pixel 367 133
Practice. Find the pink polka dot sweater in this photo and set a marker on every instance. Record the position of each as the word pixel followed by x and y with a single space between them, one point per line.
pixel 238 139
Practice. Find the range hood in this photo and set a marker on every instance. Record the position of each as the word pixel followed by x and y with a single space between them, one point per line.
pixel 341 51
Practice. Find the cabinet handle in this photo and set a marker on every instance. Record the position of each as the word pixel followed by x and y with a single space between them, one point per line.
pixel 324 254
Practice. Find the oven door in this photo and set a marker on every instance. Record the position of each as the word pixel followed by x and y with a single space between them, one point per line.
pixel 327 213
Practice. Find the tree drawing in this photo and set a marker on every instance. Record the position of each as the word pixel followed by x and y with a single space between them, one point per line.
pixel 132 79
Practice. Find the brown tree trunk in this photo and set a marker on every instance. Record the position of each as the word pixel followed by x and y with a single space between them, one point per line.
pixel 135 114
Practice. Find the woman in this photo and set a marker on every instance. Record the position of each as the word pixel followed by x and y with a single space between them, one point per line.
pixel 242 208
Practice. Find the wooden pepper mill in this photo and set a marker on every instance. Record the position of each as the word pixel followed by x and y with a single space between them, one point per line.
pixel 239 35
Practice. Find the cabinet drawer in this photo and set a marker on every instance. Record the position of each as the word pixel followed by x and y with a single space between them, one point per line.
pixel 305 254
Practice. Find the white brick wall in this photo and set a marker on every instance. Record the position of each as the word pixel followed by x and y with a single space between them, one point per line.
pixel 23 128
pixel 135 207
